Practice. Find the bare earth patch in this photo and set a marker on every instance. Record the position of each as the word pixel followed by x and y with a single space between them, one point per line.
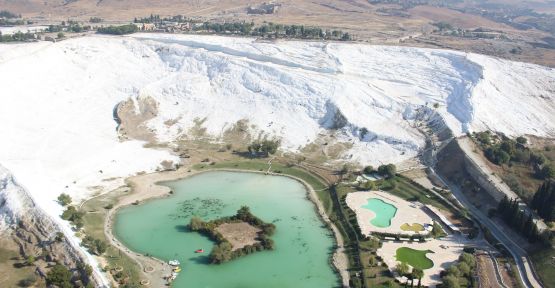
pixel 239 234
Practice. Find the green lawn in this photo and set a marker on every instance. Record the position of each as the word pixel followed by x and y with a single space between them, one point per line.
pixel 545 265
pixel 414 258
pixel 411 191
pixel 94 226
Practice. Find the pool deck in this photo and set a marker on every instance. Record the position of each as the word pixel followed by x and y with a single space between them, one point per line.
pixel 446 252
pixel 407 212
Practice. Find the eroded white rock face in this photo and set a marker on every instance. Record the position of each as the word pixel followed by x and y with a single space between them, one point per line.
pixel 57 101
pixel 12 201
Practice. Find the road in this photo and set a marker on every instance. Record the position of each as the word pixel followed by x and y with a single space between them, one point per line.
pixel 525 270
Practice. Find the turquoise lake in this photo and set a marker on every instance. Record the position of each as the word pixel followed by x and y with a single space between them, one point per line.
pixel 303 245
pixel 383 210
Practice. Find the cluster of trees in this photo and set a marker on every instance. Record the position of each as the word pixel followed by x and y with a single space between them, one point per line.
pixel 506 150
pixel 460 274
pixel 157 19
pixel 9 18
pixel 272 30
pixel 119 30
pixel 222 251
pixel 64 199
pixel 71 213
pixel 388 171
pixel 510 212
pixel 95 20
pixel 404 270
pixel 242 28
pixel 17 36
pixel 263 147
pixel 299 31
pixel 95 246
pixel 8 15
pixel 74 216
pixel 544 200
pixel 60 276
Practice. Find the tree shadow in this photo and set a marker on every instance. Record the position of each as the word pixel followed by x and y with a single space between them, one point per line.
pixel 182 228
pixel 203 259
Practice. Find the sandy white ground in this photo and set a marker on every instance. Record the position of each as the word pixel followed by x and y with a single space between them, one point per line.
pixel 407 212
pixel 58 134
pixel 446 252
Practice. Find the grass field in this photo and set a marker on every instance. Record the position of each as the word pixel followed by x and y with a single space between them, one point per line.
pixel 544 262
pixel 409 190
pixel 415 227
pixel 94 226
pixel 414 258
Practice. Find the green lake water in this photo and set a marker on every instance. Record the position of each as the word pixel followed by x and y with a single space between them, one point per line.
pixel 383 210
pixel 303 245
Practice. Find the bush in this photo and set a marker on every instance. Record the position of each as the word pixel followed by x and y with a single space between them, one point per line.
pixel 28 281
pixel 60 276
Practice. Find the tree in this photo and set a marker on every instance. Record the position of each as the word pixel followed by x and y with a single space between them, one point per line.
pixel 521 140
pixel 61 35
pixel 60 276
pixel 402 268
pixel 464 268
pixel 30 260
pixel 454 270
pixel 388 170
pixel 100 246
pixel 221 253
pixel 544 200
pixel 64 199
pixel 59 237
pixel 538 159
pixel 468 259
pixel 418 274
pixel 547 171
pixel 196 223
pixel 372 261
pixel 450 281
pixel 368 169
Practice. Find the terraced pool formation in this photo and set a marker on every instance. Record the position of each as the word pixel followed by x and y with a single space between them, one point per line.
pixel 414 258
pixel 303 245
pixel 384 212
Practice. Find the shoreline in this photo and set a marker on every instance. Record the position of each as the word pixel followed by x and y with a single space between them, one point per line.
pixel 148 187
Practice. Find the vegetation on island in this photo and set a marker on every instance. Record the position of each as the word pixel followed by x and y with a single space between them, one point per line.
pixel 222 251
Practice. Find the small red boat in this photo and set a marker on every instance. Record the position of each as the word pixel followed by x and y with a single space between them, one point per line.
pixel 199 251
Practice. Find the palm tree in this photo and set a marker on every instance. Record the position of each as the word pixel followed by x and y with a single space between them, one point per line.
pixel 417 273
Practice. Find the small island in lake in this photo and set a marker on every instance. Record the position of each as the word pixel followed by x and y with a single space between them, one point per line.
pixel 235 236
